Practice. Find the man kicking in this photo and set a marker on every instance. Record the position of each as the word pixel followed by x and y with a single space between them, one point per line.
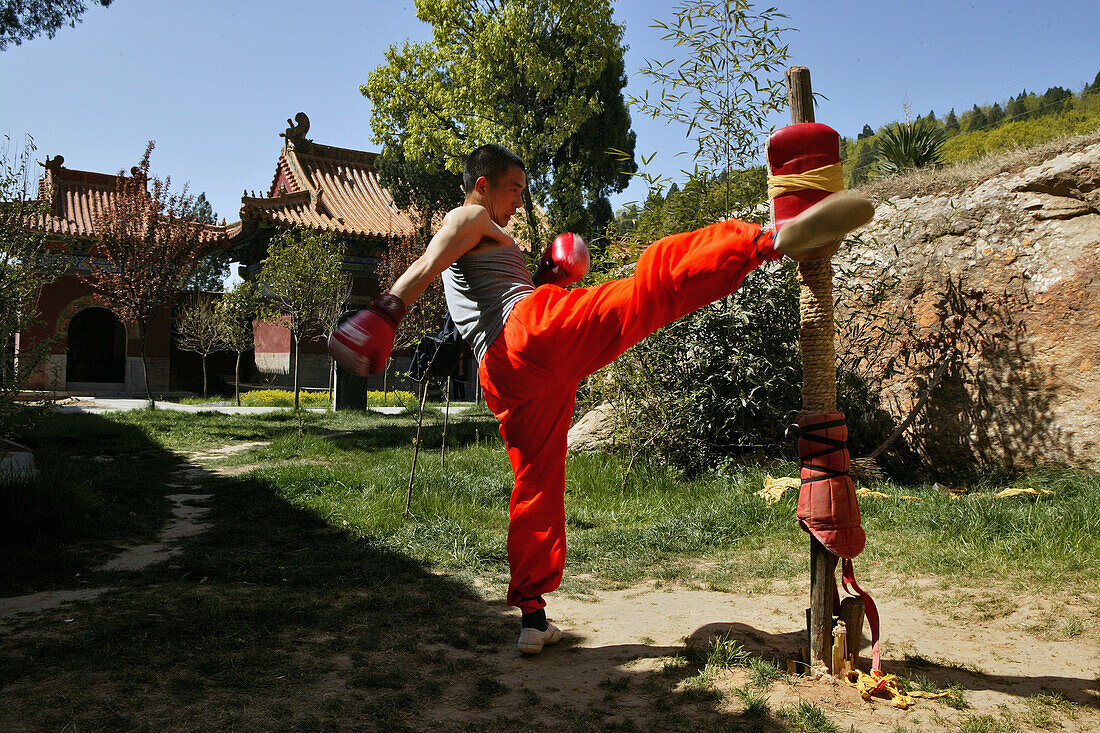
pixel 535 344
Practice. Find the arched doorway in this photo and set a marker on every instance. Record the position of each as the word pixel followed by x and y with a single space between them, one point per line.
pixel 96 348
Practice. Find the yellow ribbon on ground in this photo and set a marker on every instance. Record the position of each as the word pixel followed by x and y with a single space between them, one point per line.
pixel 774 488
pixel 1017 492
pixel 887 686
pixel 863 491
pixel 827 178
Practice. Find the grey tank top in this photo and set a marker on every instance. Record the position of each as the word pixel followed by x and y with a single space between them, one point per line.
pixel 481 290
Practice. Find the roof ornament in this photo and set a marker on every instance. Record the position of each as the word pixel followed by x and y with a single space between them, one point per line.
pixel 296 133
pixel 53 165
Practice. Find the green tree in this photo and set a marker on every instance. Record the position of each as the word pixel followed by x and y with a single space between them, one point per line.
pixel 212 266
pixel 729 81
pixel 1094 88
pixel 237 312
pixel 865 163
pixel 22 20
pixel 951 122
pixel 1016 109
pixel 300 279
pixel 1055 100
pixel 528 74
pixel 865 132
pixel 23 272
pixel 996 115
pixel 977 119
pixel 584 174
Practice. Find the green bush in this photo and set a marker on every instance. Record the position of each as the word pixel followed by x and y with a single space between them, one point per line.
pixel 720 383
pixel 912 145
pixel 1024 133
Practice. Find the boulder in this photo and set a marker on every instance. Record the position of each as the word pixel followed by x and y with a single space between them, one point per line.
pixel 595 430
pixel 1003 279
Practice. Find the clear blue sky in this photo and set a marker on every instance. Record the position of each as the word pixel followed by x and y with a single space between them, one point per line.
pixel 213 82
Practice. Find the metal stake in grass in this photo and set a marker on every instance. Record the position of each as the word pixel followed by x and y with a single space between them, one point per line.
pixel 446 418
pixel 416 449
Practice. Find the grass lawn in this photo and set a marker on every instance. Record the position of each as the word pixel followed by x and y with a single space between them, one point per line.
pixel 313 603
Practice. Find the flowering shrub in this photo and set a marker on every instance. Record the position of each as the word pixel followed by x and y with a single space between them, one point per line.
pixel 285 398
pixel 376 398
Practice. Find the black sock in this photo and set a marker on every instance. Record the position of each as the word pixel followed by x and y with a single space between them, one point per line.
pixel 535 620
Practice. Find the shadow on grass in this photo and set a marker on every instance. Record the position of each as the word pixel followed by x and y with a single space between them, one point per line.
pixel 275 620
pixel 100 484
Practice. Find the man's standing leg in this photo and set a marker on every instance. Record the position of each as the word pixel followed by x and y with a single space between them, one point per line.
pixel 534 413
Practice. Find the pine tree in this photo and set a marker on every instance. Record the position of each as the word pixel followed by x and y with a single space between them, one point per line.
pixel 1094 88
pixel 996 115
pixel 1016 110
pixel 1055 100
pixel 951 122
pixel 867 132
pixel 978 120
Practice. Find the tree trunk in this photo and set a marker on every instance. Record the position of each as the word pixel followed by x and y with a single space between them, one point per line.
pixel 237 380
pixel 332 387
pixel 204 390
pixel 446 419
pixel 532 222
pixel 296 408
pixel 145 368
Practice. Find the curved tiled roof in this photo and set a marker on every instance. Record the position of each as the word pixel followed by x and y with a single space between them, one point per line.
pixel 76 197
pixel 332 189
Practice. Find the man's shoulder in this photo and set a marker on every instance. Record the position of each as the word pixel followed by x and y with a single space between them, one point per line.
pixel 467 214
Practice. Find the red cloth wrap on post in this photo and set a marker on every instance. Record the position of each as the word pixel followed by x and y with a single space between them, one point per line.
pixel 827 504
pixel 799 148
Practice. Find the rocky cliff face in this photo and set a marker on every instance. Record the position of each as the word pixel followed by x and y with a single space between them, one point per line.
pixel 995 285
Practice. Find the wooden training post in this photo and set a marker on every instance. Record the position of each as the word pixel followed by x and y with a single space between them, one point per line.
pixel 816 335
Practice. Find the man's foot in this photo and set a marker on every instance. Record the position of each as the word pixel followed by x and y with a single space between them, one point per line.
pixel 816 233
pixel 537 632
pixel 532 640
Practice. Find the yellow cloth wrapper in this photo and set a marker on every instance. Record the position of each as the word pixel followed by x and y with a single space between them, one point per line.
pixel 888 686
pixel 828 178
pixel 1017 492
pixel 774 488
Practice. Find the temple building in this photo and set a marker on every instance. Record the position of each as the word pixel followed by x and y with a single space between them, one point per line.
pixel 93 350
pixel 328 189
pixel 314 186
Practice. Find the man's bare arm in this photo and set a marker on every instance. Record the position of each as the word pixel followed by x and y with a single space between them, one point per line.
pixel 463 229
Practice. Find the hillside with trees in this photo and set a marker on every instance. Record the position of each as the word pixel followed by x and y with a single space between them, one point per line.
pixel 1024 120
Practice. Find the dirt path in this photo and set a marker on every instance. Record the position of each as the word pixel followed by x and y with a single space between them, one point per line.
pixel 185 521
pixel 1001 665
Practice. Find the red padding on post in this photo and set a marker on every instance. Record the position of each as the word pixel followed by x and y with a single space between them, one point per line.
pixel 827 504
pixel 799 148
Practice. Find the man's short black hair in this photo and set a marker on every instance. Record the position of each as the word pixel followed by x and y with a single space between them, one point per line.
pixel 491 161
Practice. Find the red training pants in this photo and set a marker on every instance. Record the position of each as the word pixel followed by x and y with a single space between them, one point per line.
pixel 552 340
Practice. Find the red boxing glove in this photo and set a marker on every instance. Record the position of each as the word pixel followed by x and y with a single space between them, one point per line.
pixel 362 344
pixel 564 262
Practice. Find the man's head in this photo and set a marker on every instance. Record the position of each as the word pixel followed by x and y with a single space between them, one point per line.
pixel 495 177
